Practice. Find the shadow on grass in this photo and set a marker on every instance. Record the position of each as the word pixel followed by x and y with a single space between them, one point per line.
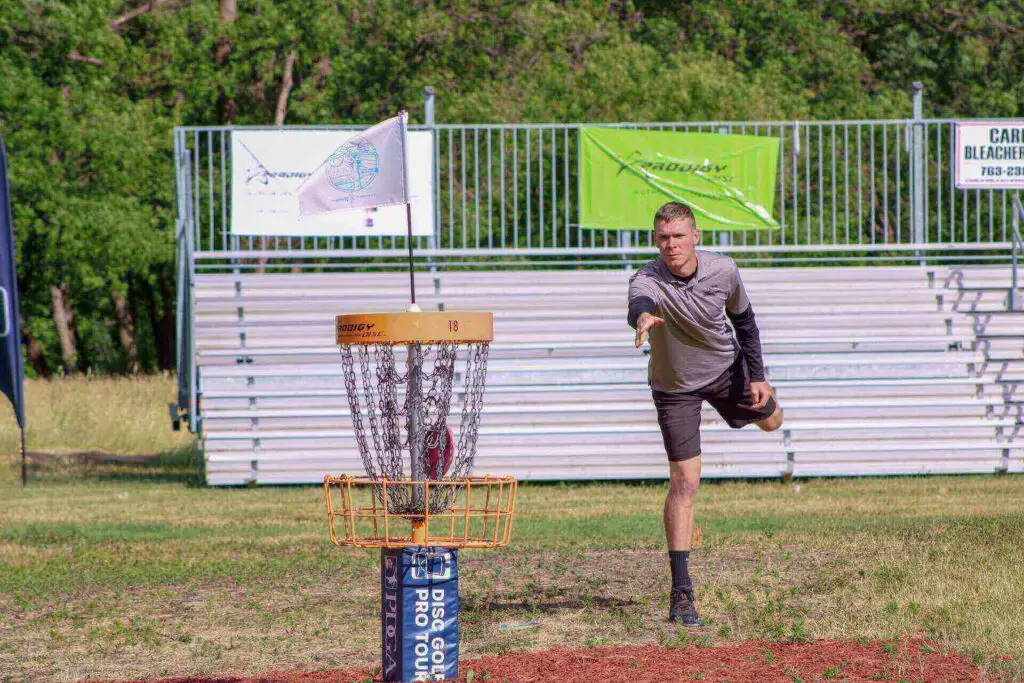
pixel 469 603
pixel 180 465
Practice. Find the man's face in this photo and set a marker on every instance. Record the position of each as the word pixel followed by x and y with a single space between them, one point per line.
pixel 677 241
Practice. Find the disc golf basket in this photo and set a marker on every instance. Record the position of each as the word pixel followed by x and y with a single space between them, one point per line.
pixel 401 371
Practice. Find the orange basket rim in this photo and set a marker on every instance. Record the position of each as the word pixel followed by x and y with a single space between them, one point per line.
pixel 479 479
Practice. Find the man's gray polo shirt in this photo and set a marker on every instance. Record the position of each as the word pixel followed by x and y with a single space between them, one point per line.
pixel 695 345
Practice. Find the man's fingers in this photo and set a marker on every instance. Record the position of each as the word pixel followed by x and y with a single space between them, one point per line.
pixel 641 335
pixel 759 397
pixel 646 326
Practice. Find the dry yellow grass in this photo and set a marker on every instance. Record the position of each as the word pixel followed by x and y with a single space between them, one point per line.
pixel 117 415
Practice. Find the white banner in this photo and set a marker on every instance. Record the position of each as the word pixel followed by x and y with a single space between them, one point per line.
pixel 990 155
pixel 269 166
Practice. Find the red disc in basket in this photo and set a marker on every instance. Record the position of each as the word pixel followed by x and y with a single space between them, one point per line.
pixel 436 461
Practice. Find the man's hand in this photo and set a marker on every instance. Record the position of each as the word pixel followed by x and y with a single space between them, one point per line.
pixel 644 324
pixel 760 393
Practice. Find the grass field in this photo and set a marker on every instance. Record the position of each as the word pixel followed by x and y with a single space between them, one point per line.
pixel 78 415
pixel 128 569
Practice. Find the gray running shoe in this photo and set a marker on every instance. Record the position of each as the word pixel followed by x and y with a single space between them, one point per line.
pixel 682 609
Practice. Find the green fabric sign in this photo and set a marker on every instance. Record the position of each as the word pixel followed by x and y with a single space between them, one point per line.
pixel 626 175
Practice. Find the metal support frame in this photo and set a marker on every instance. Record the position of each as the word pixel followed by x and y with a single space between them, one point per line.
pixel 506 196
pixel 918 168
pixel 1016 252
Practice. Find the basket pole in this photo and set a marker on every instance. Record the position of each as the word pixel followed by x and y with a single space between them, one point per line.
pixel 419 533
pixel 415 399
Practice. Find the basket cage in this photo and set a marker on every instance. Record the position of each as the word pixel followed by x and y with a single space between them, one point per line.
pixel 480 514
pixel 400 398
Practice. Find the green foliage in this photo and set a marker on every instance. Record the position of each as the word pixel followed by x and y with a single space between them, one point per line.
pixel 92 90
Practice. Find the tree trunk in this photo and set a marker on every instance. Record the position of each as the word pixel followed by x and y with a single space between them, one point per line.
pixel 279 114
pixel 261 262
pixel 286 89
pixel 228 11
pixel 225 105
pixel 161 319
pixel 35 352
pixel 64 319
pixel 138 310
pixel 126 331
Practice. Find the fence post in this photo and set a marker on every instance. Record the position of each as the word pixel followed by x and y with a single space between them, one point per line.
pixel 1015 244
pixel 625 242
pixel 724 236
pixel 428 106
pixel 428 119
pixel 918 170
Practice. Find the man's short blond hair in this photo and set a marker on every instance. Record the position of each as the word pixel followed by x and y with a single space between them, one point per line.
pixel 674 211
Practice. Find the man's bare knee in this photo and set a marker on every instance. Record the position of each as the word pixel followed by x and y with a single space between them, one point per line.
pixel 684 488
pixel 772 422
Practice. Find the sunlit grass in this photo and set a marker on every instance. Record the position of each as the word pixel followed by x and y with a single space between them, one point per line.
pixel 132 570
pixel 857 558
pixel 79 415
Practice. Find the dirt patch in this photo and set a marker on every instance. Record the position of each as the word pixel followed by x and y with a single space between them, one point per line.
pixel 84 458
pixel 751 662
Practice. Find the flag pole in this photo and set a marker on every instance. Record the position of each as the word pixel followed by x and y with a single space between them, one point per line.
pixel 403 117
pixel 414 396
pixel 24 471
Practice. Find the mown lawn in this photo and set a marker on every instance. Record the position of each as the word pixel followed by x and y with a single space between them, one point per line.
pixel 106 578
pixel 113 566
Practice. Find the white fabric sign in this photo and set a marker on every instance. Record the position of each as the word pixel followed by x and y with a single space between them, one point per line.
pixel 269 168
pixel 990 155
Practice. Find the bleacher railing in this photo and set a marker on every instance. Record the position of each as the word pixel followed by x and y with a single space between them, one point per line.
pixel 853 191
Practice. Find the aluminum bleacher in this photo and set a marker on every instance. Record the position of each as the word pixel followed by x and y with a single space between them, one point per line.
pixel 881 370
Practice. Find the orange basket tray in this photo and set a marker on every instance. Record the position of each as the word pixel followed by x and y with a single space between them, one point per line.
pixel 478 513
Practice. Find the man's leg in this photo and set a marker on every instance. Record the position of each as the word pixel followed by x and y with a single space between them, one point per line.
pixel 773 421
pixel 678 514
pixel 730 395
pixel 679 419
pixel 684 478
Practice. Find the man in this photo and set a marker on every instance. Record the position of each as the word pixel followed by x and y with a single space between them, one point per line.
pixel 682 300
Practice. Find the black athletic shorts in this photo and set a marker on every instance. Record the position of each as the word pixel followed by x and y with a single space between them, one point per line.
pixel 679 413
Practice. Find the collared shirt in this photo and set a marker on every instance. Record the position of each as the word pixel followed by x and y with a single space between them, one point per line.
pixel 696 344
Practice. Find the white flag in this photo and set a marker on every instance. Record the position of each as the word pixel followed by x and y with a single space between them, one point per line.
pixel 365 172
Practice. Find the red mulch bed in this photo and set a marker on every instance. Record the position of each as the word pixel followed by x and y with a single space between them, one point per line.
pixel 751 662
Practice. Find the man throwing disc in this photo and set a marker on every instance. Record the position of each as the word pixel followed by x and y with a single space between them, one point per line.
pixel 682 300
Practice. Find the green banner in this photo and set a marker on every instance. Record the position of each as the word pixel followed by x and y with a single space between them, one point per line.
pixel 626 175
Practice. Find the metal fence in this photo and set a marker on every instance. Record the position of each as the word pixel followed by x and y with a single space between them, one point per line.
pixel 870 190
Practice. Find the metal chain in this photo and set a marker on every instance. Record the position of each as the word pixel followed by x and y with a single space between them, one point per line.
pixel 388 414
pixel 391 411
pixel 353 404
pixel 476 380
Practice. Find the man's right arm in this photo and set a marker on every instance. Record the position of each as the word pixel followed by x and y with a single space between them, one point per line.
pixel 637 307
pixel 643 298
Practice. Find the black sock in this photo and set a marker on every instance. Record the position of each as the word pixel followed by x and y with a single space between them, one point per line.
pixel 680 571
